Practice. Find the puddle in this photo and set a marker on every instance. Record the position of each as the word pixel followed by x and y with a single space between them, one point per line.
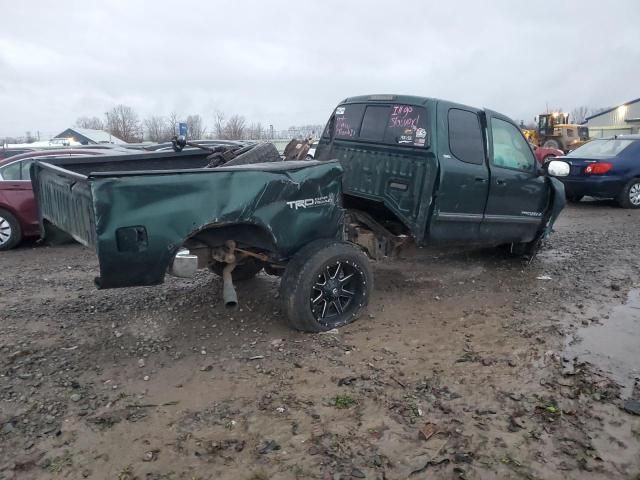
pixel 614 345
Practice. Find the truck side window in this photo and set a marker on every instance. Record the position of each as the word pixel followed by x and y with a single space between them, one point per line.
pixel 465 136
pixel 374 123
pixel 510 149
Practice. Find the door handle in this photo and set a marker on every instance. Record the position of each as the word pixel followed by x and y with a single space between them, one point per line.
pixel 501 182
pixel 480 179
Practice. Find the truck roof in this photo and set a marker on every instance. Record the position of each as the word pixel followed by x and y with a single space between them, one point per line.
pixel 391 97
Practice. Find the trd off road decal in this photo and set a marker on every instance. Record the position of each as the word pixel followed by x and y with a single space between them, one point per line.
pixel 311 202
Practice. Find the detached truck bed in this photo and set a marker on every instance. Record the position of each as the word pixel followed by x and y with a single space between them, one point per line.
pixel 155 213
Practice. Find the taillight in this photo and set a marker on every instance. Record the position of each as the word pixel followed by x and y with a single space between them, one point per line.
pixel 598 168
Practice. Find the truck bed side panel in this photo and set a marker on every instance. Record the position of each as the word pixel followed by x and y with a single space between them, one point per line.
pixel 142 220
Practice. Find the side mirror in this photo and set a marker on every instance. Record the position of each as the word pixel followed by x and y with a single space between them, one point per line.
pixel 558 168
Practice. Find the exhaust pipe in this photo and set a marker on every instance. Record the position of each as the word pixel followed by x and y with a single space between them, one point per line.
pixel 229 294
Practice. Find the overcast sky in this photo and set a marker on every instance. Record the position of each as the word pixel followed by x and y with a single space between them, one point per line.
pixel 286 63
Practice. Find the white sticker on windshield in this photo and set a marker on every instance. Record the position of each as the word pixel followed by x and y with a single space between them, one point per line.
pixel 340 110
pixel 421 133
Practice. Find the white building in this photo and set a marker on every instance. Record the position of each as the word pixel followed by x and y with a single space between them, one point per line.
pixel 618 120
pixel 87 136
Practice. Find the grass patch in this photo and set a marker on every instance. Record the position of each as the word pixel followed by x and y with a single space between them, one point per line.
pixel 259 475
pixel 343 401
pixel 57 464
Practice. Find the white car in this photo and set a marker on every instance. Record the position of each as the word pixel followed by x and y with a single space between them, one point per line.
pixel 311 154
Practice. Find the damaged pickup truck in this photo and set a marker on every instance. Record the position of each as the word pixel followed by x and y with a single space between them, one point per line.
pixel 391 170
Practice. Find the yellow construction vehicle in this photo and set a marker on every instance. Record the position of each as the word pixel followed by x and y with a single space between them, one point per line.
pixel 555 131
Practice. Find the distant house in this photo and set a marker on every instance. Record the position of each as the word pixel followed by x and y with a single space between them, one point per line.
pixel 87 136
pixel 617 120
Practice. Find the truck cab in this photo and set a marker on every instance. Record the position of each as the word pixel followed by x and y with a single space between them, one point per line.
pixel 439 172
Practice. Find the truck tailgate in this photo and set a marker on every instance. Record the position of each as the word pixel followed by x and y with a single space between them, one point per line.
pixel 64 199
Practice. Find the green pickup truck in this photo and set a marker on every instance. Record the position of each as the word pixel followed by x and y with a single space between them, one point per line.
pixel 389 171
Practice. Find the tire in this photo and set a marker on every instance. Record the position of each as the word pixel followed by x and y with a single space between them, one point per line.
pixel 260 153
pixel 336 264
pixel 552 143
pixel 574 198
pixel 244 271
pixel 629 197
pixel 10 230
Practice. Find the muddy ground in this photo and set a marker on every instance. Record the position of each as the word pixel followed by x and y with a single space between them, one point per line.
pixel 466 365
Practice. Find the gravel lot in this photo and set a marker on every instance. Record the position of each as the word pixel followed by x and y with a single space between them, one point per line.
pixel 467 365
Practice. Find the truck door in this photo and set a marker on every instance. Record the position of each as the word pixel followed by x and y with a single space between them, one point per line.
pixel 518 195
pixel 464 175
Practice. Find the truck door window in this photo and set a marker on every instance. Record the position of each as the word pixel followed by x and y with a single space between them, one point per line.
pixel 510 149
pixel 374 123
pixel 465 136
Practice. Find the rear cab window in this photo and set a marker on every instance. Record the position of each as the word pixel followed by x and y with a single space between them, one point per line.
pixel 392 124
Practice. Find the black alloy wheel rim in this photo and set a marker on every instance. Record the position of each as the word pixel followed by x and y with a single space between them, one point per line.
pixel 336 293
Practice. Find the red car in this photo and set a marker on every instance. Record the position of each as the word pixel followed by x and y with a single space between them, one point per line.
pixel 544 153
pixel 18 214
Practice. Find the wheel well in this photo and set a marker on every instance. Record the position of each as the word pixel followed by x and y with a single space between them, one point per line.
pixel 245 235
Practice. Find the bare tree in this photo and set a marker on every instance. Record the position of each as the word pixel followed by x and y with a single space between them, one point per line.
pixel 123 123
pixel 195 127
pixel 218 124
pixel 595 111
pixel 93 123
pixel 235 127
pixel 579 114
pixel 255 131
pixel 172 126
pixel 29 138
pixel 156 128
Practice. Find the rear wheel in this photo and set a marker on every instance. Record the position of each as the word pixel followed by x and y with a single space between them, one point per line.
pixel 10 231
pixel 629 197
pixel 326 285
